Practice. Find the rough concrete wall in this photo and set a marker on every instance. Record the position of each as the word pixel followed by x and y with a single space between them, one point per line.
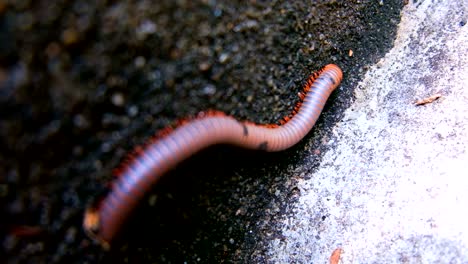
pixel 394 186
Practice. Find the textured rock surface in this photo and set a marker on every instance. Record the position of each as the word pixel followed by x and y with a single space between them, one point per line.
pixel 393 186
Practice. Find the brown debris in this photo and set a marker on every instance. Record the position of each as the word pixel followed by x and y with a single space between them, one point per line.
pixel 335 256
pixel 428 100
pixel 91 220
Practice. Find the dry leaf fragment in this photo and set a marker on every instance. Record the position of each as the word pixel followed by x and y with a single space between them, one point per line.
pixel 428 100
pixel 335 256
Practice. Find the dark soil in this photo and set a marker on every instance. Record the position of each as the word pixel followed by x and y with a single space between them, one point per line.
pixel 82 83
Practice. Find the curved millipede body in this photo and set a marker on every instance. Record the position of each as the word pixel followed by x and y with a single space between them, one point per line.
pixel 150 162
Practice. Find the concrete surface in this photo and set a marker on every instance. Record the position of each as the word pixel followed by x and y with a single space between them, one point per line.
pixel 393 187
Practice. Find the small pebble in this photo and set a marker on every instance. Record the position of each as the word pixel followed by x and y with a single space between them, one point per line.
pixel 209 89
pixel 146 28
pixel 223 58
pixel 118 99
pixel 69 36
pixel 132 111
pixel 140 62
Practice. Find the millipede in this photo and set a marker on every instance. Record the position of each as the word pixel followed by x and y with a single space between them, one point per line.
pixel 168 148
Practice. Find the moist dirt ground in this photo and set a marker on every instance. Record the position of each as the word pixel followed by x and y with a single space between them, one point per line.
pixel 82 83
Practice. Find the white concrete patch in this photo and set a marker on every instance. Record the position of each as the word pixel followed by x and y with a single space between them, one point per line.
pixel 394 186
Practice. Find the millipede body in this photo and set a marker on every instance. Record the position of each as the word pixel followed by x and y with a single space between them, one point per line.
pixel 104 220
